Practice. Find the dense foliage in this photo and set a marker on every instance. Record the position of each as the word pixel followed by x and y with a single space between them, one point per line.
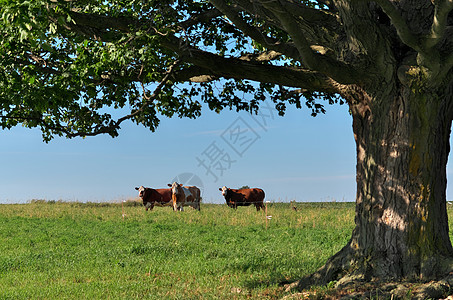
pixel 67 64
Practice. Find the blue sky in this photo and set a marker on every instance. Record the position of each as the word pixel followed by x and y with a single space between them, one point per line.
pixel 295 157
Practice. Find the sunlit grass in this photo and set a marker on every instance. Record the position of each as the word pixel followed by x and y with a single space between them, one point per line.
pixel 58 250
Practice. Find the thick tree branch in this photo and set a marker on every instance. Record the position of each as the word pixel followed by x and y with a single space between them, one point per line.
pixel 199 74
pixel 314 16
pixel 194 74
pixel 254 8
pixel 327 4
pixel 447 65
pixel 203 17
pixel 124 24
pixel 291 26
pixel 339 71
pixel 441 11
pixel 265 56
pixel 224 67
pixel 400 24
pixel 285 76
pixel 233 14
pixel 219 66
pixel 102 22
pixel 319 23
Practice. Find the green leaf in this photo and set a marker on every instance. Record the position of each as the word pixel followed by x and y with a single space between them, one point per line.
pixel 46 47
pixel 53 28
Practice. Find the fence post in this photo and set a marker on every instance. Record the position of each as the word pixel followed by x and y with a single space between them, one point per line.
pixel 265 213
pixel 122 208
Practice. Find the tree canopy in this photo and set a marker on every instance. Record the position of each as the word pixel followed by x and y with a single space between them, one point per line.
pixel 67 62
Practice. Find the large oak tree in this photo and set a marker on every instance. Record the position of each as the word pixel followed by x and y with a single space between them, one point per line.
pixel 66 63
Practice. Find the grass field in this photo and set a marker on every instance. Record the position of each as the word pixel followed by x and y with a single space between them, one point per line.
pixel 57 250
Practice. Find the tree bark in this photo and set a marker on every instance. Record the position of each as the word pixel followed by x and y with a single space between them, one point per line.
pixel 401 231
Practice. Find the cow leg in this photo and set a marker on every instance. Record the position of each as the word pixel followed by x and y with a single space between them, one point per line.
pixel 259 205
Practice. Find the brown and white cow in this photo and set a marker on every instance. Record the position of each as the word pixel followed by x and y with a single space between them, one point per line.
pixel 151 197
pixel 243 197
pixel 185 196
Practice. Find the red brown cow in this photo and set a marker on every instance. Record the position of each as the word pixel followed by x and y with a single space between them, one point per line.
pixel 151 197
pixel 185 196
pixel 243 197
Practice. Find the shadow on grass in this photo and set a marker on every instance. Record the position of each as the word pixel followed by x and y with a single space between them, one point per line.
pixel 274 279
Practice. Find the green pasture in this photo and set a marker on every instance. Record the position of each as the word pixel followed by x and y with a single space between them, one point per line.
pixel 58 250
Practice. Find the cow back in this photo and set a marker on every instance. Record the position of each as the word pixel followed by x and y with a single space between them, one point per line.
pixel 165 195
pixel 247 196
pixel 195 192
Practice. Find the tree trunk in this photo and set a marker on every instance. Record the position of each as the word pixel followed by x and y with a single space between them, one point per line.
pixel 401 218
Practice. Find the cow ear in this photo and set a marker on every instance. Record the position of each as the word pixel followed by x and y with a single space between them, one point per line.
pixel 169 185
pixel 136 188
pixel 220 189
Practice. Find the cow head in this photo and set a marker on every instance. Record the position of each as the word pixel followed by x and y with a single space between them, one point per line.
pixel 142 191
pixel 175 188
pixel 226 193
